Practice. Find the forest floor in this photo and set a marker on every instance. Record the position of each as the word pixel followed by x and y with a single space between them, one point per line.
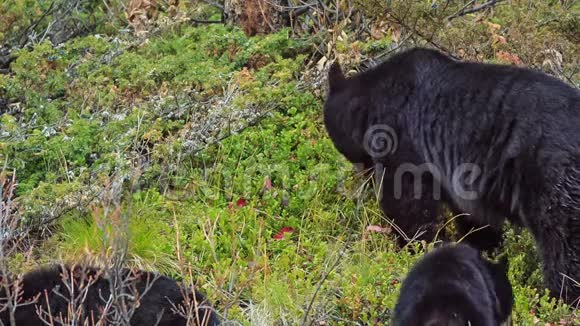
pixel 210 145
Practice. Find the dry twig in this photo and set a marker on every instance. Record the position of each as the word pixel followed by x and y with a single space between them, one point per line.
pixel 464 11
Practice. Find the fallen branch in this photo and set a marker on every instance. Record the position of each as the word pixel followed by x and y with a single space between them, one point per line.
pixel 201 21
pixel 215 4
pixel 295 13
pixel 464 11
pixel 251 123
pixel 307 312
pixel 25 35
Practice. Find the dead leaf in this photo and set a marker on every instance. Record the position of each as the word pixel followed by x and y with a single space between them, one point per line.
pixel 378 229
pixel 139 13
pixel 507 57
pixel 396 33
pixel 321 63
pixel 378 30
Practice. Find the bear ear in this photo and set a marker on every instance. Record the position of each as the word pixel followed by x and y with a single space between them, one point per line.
pixel 336 78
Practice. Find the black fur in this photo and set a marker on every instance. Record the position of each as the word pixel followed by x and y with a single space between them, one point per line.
pixel 454 285
pixel 520 127
pixel 46 289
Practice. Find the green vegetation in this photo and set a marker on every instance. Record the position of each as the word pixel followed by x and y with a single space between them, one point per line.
pixel 215 144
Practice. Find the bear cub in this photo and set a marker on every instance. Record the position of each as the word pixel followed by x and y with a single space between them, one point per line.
pixel 52 292
pixel 454 286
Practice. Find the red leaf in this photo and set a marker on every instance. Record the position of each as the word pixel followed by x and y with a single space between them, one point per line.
pixel 509 58
pixel 267 184
pixel 241 202
pixel 280 235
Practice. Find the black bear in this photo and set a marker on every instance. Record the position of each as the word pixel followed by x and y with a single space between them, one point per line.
pixel 454 286
pixel 80 295
pixel 491 141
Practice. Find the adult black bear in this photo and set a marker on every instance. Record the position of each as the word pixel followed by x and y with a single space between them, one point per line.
pixel 454 286
pixel 497 141
pixel 53 292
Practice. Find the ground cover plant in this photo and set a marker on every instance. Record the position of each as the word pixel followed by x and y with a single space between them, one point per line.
pixel 205 149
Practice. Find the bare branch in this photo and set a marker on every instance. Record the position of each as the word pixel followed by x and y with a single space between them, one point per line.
pixel 24 35
pixel 477 8
pixel 201 21
pixel 307 312
pixel 215 4
pixel 429 40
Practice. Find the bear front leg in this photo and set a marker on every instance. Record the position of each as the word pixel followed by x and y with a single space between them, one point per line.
pixel 482 237
pixel 415 210
pixel 559 245
pixel 557 234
